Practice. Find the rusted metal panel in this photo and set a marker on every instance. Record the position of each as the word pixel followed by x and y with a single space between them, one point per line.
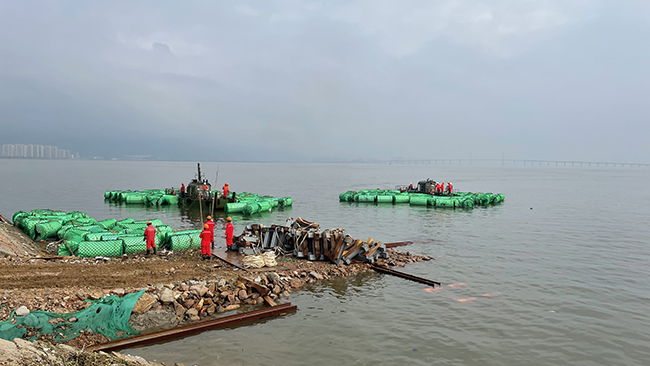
pixel 405 275
pixel 193 328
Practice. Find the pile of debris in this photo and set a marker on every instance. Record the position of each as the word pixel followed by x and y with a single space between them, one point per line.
pixel 305 239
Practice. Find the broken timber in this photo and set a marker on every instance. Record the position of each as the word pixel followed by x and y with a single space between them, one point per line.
pixel 193 328
pixel 404 275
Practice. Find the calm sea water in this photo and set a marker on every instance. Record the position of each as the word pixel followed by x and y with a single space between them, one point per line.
pixel 558 273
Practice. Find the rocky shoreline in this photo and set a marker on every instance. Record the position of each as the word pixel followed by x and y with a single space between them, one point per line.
pixel 186 290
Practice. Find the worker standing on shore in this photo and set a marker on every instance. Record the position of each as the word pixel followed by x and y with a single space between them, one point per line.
pixel 206 236
pixel 229 231
pixel 210 224
pixel 150 237
pixel 226 189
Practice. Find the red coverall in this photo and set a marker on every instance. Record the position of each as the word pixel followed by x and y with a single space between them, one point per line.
pixel 210 223
pixel 206 236
pixel 449 187
pixel 229 231
pixel 225 191
pixel 150 235
pixel 182 188
pixel 442 187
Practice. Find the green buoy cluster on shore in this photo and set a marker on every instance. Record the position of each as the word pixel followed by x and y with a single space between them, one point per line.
pixel 84 236
pixel 456 200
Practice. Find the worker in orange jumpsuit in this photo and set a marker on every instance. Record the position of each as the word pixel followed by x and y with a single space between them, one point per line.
pixel 206 236
pixel 442 187
pixel 229 231
pixel 449 188
pixel 150 237
pixel 210 224
pixel 182 189
pixel 226 189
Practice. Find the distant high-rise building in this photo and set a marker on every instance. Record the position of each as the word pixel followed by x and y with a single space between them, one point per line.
pixel 36 152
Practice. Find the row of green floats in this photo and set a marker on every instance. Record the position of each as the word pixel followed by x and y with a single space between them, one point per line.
pixel 458 199
pixel 84 236
pixel 151 197
pixel 252 203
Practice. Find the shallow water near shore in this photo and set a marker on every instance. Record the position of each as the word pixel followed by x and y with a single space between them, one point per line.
pixel 557 275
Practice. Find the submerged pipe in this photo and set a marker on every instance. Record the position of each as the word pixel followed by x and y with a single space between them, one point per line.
pixel 405 275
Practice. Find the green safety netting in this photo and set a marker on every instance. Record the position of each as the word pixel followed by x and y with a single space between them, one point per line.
pixel 108 316
pixel 135 244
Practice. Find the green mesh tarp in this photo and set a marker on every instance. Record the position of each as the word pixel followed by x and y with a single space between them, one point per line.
pixel 385 199
pixel 46 230
pixel 18 215
pixel 168 199
pixel 285 201
pixel 186 240
pixel 265 205
pixel 234 207
pixel 108 316
pixel 365 198
pixel 96 236
pixel 107 224
pixel 125 221
pixel 402 198
pixel 251 208
pixel 154 222
pixel 419 200
pixel 70 244
pixel 106 248
pixel 135 244
pixel 445 202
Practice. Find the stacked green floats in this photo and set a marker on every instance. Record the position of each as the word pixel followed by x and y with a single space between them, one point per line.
pixel 252 203
pixel 150 197
pixel 86 237
pixel 457 200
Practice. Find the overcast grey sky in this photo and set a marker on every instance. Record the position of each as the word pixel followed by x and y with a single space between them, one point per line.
pixel 295 80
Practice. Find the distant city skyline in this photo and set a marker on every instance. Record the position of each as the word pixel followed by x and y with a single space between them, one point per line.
pixel 34 151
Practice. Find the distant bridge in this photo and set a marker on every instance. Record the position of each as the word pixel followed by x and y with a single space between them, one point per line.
pixel 524 162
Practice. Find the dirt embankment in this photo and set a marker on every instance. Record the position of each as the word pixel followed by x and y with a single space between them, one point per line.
pixel 13 242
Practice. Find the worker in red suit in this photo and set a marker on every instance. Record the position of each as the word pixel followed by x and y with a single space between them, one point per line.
pixel 210 224
pixel 449 188
pixel 150 237
pixel 229 231
pixel 226 189
pixel 182 189
pixel 206 236
pixel 442 187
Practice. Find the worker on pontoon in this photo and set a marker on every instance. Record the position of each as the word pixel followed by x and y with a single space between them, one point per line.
pixel 229 231
pixel 449 188
pixel 210 224
pixel 226 189
pixel 206 236
pixel 182 189
pixel 150 237
pixel 442 187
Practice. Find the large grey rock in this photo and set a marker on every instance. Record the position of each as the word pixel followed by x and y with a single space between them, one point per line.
pixel 9 353
pixel 198 290
pixel 273 277
pixel 167 296
pixel 22 311
pixel 145 303
pixel 316 275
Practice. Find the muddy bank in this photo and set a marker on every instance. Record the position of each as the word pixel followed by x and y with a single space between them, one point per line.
pixel 209 292
pixel 15 243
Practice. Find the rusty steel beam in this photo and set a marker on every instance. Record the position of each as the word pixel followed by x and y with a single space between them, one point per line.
pixel 400 244
pixel 231 263
pixel 405 275
pixel 185 330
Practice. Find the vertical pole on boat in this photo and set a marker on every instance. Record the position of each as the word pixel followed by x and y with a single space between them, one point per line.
pixel 215 194
pixel 200 207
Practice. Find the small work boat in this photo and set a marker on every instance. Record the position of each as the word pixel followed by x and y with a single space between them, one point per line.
pixel 200 190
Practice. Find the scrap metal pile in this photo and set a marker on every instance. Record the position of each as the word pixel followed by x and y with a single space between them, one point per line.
pixel 305 239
